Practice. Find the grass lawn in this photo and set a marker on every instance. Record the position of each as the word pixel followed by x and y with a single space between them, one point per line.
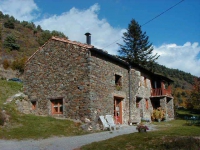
pixel 173 135
pixel 23 126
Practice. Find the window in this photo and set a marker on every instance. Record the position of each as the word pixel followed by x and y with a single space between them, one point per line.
pixel 138 99
pixel 147 104
pixel 57 106
pixel 33 105
pixel 118 80
pixel 145 81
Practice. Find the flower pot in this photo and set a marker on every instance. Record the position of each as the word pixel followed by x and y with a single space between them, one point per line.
pixel 142 130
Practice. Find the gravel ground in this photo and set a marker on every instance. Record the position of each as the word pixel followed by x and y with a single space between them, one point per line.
pixel 65 143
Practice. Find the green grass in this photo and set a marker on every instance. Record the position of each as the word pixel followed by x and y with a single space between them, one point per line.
pixel 35 127
pixel 171 135
pixel 22 126
pixel 7 89
pixel 181 113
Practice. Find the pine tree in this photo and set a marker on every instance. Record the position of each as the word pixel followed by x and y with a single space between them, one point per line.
pixel 10 43
pixel 195 94
pixel 137 48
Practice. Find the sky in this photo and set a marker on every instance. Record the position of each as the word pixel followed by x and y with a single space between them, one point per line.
pixel 173 26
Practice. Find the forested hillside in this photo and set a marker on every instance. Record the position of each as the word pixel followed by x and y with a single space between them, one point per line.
pixel 20 39
pixel 181 79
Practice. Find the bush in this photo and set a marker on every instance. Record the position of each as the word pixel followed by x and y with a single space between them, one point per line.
pixel 19 64
pixel 44 37
pixel 9 24
pixel 57 33
pixel 6 64
pixel 2 118
pixel 39 28
pixel 158 113
pixel 10 43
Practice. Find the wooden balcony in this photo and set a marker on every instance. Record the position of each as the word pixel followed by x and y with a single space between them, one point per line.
pixel 161 92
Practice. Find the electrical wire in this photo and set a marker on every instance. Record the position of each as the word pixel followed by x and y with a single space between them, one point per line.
pixel 162 13
pixel 151 19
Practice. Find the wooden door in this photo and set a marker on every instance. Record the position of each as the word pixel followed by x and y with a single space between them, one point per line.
pixel 118 110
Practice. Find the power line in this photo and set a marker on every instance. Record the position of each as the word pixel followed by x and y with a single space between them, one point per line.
pixel 162 13
pixel 151 19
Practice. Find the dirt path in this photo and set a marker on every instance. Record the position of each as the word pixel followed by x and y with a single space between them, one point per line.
pixel 64 143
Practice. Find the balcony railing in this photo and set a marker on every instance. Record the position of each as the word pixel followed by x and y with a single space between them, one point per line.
pixel 161 92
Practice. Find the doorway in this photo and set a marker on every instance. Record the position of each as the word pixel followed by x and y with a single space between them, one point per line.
pixel 118 110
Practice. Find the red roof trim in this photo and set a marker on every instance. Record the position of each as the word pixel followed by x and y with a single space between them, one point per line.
pixel 72 42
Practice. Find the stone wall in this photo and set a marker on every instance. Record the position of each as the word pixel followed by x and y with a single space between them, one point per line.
pixel 170 108
pixel 103 88
pixel 59 70
pixel 23 104
pixel 141 88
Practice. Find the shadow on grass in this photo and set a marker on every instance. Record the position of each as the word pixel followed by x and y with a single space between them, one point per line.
pixel 182 113
pixel 183 143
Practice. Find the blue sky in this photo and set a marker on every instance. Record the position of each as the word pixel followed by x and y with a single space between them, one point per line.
pixel 178 25
pixel 175 35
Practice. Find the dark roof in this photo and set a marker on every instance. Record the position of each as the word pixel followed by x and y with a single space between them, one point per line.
pixel 110 56
pixel 158 76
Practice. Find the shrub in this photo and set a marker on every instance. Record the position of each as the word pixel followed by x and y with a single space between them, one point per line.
pixel 9 24
pixel 19 64
pixel 31 25
pixel 44 37
pixel 118 87
pixel 24 23
pixel 158 113
pixel 57 33
pixel 2 118
pixel 6 64
pixel 39 28
pixel 10 42
pixel 0 33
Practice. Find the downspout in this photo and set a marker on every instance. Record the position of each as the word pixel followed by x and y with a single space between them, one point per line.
pixel 130 95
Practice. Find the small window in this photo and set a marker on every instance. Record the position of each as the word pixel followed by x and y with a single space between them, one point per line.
pixel 145 81
pixel 118 82
pixel 138 102
pixel 33 105
pixel 147 104
pixel 57 106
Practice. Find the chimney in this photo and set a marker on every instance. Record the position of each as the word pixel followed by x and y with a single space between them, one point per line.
pixel 88 38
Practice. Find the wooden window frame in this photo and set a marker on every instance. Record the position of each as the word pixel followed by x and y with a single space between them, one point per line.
pixel 57 103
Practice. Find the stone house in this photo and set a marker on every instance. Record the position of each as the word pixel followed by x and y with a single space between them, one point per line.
pixel 73 80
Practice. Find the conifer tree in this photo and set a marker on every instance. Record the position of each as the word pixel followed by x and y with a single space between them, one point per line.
pixel 136 48
pixel 195 94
